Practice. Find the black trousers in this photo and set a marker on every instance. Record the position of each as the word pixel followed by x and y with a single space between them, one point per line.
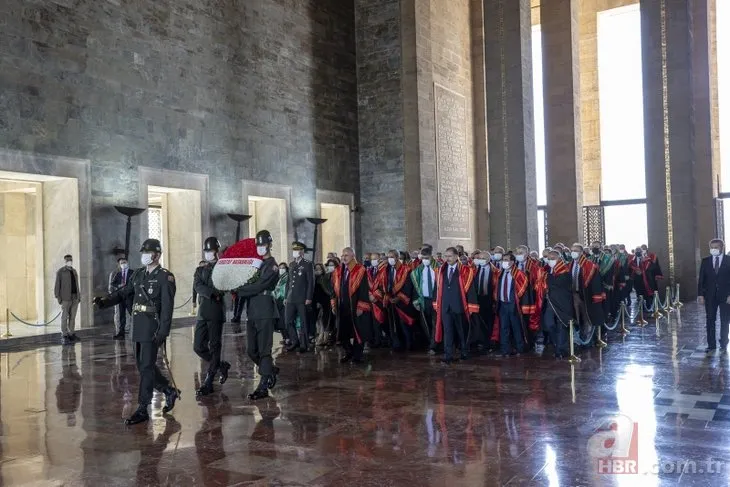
pixel 430 316
pixel 712 304
pixel 453 322
pixel 292 311
pixel 150 377
pixel 349 343
pixel 238 309
pixel 556 330
pixel 122 316
pixel 207 343
pixel 260 339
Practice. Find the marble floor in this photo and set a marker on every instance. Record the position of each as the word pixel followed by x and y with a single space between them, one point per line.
pixel 653 400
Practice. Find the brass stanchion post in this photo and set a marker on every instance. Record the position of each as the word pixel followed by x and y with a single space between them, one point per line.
pixel 677 303
pixel 657 305
pixel 572 382
pixel 641 321
pixel 7 333
pixel 572 359
pixel 600 343
pixel 667 306
pixel 624 313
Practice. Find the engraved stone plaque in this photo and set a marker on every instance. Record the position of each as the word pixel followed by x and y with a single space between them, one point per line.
pixel 451 164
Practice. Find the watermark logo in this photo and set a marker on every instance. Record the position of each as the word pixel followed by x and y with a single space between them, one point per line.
pixel 615 446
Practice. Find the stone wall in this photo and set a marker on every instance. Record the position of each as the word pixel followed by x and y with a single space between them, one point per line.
pixel 261 90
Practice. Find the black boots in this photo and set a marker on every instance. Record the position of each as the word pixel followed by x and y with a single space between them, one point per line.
pixel 171 395
pixel 225 367
pixel 262 391
pixel 139 416
pixel 273 377
pixel 206 388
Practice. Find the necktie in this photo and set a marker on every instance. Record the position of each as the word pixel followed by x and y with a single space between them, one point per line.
pixel 481 281
pixel 451 273
pixel 124 277
pixel 505 291
pixel 717 265
pixel 429 281
pixel 575 276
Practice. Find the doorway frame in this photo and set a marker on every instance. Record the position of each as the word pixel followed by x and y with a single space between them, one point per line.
pixel 64 167
pixel 337 198
pixel 268 190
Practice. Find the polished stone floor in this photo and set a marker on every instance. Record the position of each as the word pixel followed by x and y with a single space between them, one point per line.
pixel 404 420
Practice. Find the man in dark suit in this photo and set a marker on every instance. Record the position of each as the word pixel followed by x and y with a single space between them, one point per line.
pixel 713 290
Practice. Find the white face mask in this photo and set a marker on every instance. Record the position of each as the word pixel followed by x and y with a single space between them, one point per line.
pixel 296 253
pixel 480 262
pixel 426 262
pixel 282 271
pixel 330 269
pixel 374 263
pixel 391 261
pixel 69 263
pixel 209 256
pixel 261 250
pixel 575 255
pixel 146 259
pixel 497 256
pixel 715 252
pixel 125 266
pixel 520 258
pixel 420 257
pixel 506 265
pixel 552 262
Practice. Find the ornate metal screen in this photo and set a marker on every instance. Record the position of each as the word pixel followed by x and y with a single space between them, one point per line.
pixel 719 219
pixel 594 224
pixel 545 225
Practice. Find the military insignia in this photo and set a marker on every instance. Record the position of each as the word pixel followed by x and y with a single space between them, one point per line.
pixel 149 291
pixel 171 278
pixel 275 267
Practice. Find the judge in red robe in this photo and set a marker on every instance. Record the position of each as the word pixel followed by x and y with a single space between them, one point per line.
pixel 351 306
pixel 393 291
pixel 456 302
pixel 512 300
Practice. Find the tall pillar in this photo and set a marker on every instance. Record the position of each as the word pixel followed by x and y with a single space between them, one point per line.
pixel 590 117
pixel 561 86
pixel 510 130
pixel 677 128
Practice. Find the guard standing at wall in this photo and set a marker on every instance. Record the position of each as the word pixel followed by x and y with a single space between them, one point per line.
pixel 152 289
pixel 262 312
pixel 299 296
pixel 207 341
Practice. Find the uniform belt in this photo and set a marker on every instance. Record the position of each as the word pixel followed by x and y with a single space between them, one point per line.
pixel 266 293
pixel 141 308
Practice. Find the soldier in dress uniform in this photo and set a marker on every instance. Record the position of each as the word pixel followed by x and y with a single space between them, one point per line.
pixel 207 341
pixel 262 312
pixel 299 294
pixel 152 289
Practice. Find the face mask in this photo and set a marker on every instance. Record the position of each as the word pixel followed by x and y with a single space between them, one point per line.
pixel 506 265
pixel 317 273
pixel 282 272
pixel 209 256
pixel 124 266
pixel 261 250
pixel 146 259
pixel 497 256
pixel 374 263
pixel 575 255
pixel 715 252
pixel 296 254
pixel 420 257
pixel 330 269
pixel 480 262
pixel 391 261
pixel 520 258
pixel 638 253
pixel 552 262
pixel 69 263
pixel 596 251
pixel 426 262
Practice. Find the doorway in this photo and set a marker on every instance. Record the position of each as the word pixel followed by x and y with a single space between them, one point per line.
pixel 39 224
pixel 174 218
pixel 336 231
pixel 270 214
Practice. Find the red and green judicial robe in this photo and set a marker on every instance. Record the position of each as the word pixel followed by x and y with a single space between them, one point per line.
pixel 378 311
pixel 591 288
pixel 467 291
pixel 647 274
pixel 358 290
pixel 401 290
pixel 525 299
pixel 534 271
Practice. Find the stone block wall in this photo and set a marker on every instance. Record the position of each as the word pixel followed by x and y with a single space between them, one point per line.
pixel 260 90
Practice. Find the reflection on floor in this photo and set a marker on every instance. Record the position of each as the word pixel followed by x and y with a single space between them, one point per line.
pixel 403 421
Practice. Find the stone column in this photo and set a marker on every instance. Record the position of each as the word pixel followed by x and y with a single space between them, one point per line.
pixel 677 128
pixel 561 85
pixel 510 131
pixel 589 102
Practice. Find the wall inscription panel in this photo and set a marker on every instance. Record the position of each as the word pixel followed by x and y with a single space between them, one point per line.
pixel 452 164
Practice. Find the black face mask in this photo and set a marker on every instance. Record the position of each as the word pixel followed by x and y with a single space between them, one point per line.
pixel 638 253
pixel 366 263
pixel 596 251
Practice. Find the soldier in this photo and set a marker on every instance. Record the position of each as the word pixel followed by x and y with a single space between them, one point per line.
pixel 152 289
pixel 262 312
pixel 211 316
pixel 299 296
